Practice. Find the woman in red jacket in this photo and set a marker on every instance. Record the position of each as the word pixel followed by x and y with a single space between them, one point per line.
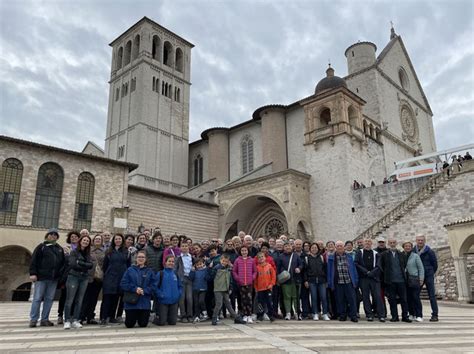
pixel 244 273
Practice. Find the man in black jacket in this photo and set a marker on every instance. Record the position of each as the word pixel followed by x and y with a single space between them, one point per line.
pixel 393 264
pixel 47 266
pixel 367 262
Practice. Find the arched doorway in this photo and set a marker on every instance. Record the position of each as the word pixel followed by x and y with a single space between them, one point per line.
pixel 14 270
pixel 257 215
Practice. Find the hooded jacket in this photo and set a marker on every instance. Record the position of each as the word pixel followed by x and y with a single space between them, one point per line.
pixel 266 277
pixel 200 278
pixel 171 288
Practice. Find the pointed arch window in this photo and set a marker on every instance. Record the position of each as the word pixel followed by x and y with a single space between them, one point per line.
pixel 11 173
pixel 84 201
pixel 247 154
pixel 49 188
pixel 197 170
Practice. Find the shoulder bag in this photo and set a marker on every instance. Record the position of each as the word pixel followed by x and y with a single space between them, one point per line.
pixel 131 297
pixel 285 275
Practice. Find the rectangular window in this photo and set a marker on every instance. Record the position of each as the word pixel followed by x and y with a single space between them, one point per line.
pixel 117 94
pixel 6 201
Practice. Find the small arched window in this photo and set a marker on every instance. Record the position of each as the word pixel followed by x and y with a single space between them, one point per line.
pixel 247 154
pixel 49 188
pixel 371 130
pixel 168 54
pixel 136 47
pixel 128 53
pixel 351 112
pixel 119 58
pixel 365 127
pixel 11 173
pixel 179 60
pixel 403 77
pixel 325 117
pixel 197 170
pixel 84 201
pixel 155 48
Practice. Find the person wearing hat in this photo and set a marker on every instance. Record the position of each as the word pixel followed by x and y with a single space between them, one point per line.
pixel 47 266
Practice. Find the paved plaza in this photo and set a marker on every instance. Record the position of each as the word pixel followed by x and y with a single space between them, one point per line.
pixel 453 334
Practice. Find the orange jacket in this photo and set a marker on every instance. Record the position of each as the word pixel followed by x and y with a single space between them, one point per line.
pixel 266 277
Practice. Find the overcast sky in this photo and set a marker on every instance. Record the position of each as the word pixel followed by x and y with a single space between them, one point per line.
pixel 55 59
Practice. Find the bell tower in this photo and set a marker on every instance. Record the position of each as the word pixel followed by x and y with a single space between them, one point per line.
pixel 148 111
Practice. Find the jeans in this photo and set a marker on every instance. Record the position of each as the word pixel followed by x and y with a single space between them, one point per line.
pixel 44 292
pixel 429 282
pixel 346 299
pixel 318 293
pixel 397 290
pixel 265 298
pixel 76 288
pixel 415 308
pixel 186 300
pixel 371 288
pixel 90 300
pixel 199 302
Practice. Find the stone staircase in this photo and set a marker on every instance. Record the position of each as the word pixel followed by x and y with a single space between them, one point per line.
pixel 432 185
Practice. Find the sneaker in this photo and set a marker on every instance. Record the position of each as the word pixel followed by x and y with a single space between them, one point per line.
pixel 46 323
pixel 76 324
pixel 184 320
pixel 67 325
pixel 288 317
pixel 412 317
pixel 221 316
pixel 214 321
pixel 204 317
pixel 407 320
pixel 239 320
pixel 434 319
pixel 370 319
pixel 249 320
pixel 60 320
pixel 382 319
pixel 265 317
pixel 33 324
pixel 300 317
pixel 419 319
pixel 196 319
pixel 253 317
pixel 92 322
pixel 245 319
pixel 326 317
pixel 315 317
pixel 355 319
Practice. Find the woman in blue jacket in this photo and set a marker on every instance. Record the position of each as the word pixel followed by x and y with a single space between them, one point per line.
pixel 168 291
pixel 116 262
pixel 138 279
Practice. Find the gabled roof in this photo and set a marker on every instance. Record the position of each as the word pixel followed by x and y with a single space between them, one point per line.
pixel 94 145
pixel 131 166
pixel 386 50
pixel 146 19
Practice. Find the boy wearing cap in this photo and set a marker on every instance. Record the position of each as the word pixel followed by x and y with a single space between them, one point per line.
pixel 47 266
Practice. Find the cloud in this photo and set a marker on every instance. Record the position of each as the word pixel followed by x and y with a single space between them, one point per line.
pixel 55 60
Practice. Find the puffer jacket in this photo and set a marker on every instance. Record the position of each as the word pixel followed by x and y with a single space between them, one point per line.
pixel 79 264
pixel 428 257
pixel 136 277
pixel 168 290
pixel 154 258
pixel 315 269
pixel 415 267
pixel 244 271
pixel 222 278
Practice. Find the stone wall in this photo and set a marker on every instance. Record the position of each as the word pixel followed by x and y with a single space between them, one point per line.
pixel 370 204
pixel 14 270
pixel 173 214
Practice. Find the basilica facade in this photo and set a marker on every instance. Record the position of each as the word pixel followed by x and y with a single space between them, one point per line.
pixel 288 168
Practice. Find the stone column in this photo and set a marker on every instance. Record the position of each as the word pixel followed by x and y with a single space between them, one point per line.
pixel 462 278
pixel 274 138
pixel 219 155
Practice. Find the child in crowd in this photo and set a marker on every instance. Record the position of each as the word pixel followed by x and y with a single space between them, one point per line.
pixel 264 282
pixel 211 262
pixel 199 277
pixel 183 267
pixel 222 281
pixel 244 274
pixel 168 293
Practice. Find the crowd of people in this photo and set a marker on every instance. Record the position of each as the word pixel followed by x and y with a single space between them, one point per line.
pixel 164 279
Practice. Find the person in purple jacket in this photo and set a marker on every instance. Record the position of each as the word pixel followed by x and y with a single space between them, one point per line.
pixel 172 250
pixel 244 273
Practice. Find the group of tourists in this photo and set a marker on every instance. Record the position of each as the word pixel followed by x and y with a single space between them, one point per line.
pixel 163 279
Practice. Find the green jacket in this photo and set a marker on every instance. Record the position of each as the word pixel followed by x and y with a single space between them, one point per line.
pixel 415 266
pixel 222 278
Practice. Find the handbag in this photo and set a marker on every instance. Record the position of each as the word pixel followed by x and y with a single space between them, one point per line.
pixel 285 275
pixel 413 281
pixel 98 272
pixel 131 297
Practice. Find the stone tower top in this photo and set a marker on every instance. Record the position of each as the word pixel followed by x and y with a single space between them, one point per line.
pixel 359 56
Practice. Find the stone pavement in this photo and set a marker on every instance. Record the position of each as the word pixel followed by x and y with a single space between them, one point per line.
pixel 454 334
